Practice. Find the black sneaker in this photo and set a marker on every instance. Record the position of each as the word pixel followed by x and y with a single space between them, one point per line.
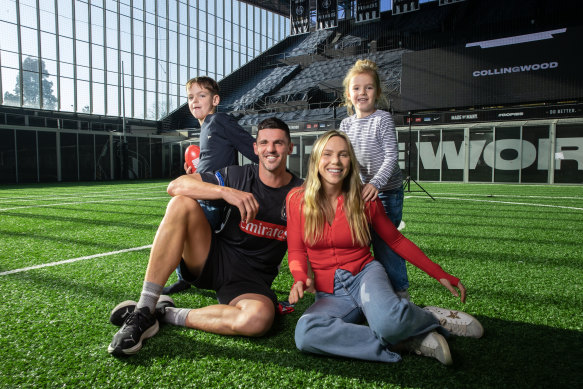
pixel 123 309
pixel 138 326
pixel 176 287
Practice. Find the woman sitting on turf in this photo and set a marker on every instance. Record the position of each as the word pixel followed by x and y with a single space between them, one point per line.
pixel 328 222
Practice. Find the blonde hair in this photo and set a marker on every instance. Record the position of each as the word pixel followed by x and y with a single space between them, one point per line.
pixel 315 203
pixel 363 66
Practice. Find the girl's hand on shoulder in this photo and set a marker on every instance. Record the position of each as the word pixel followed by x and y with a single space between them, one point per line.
pixel 369 192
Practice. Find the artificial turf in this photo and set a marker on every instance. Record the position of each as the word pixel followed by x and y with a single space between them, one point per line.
pixel 517 248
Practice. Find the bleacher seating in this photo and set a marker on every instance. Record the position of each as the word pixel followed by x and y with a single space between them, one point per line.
pixel 273 79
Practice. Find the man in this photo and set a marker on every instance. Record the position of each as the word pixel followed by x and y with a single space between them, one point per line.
pixel 221 137
pixel 239 263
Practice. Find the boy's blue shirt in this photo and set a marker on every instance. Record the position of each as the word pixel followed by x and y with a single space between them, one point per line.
pixel 221 137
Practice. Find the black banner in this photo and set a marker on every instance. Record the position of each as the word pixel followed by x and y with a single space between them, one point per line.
pixel 300 16
pixel 539 67
pixel 326 14
pixel 491 115
pixel 367 10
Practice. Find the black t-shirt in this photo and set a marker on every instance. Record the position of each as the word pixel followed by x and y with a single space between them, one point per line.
pixel 263 242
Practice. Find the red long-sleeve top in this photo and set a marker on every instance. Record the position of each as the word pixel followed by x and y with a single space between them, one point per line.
pixel 335 249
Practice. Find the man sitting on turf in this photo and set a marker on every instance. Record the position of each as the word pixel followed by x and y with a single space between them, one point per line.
pixel 240 262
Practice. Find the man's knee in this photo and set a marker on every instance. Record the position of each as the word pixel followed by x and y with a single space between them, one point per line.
pixel 183 204
pixel 255 319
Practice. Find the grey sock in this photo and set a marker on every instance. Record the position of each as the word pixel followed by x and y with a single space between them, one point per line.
pixel 150 295
pixel 176 316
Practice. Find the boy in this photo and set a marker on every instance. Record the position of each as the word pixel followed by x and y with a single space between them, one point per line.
pixel 221 137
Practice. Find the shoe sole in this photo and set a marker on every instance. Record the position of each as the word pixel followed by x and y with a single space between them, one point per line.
pixel 442 353
pixel 479 329
pixel 121 310
pixel 150 332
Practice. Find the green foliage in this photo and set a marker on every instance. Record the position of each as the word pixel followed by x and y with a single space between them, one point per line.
pixel 516 248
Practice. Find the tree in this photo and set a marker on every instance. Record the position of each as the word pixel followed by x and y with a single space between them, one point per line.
pixel 31 87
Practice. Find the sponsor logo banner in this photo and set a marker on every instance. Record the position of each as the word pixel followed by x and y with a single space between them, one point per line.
pixel 367 10
pixel 300 16
pixel 264 229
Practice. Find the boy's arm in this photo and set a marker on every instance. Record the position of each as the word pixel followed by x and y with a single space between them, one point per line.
pixel 241 139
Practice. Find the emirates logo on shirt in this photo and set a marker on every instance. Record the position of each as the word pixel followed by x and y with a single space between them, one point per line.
pixel 264 230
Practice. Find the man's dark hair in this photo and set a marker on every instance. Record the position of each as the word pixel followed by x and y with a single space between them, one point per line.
pixel 274 122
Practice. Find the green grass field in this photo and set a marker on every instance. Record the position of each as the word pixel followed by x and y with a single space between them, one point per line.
pixel 517 248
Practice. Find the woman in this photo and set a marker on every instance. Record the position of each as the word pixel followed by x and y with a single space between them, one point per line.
pixel 328 221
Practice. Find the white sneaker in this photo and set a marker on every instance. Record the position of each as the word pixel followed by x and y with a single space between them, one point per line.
pixel 457 322
pixel 431 345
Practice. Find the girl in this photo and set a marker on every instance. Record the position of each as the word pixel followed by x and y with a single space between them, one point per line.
pixel 374 138
pixel 328 222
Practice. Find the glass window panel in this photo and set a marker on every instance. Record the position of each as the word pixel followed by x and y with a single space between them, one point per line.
pixel 173 48
pixel 67 69
pixel 30 41
pixel 507 154
pixel 66 49
pixel 98 98
pixel 151 104
pixel 150 41
pixel 111 5
pixel 202 56
pixel 143 156
pixel 162 45
pixel 113 106
pixel 48 45
pixel 429 155
pixel 26 155
pixel 69 157
pixel 454 156
pixel 47 21
pixel 65 24
pixel 162 106
pixel 535 154
pixel 220 61
pixel 162 8
pixel 98 75
pixel 83 96
pixel 83 73
pixel 67 94
pixel 103 150
pixel 86 157
pixel 7 157
pixel 569 154
pixel 112 61
pixel 10 40
pixel 9 82
pixel 97 57
pixel 183 56
pixel 125 41
pixel 481 158
pixel 30 89
pixel 111 30
pixel 97 35
pixel 8 11
pixel 82 54
pixel 128 102
pixel 47 156
pixel 192 16
pixel 9 60
pixel 138 103
pixel 138 37
pixel 202 20
pixel 28 14
pixel 138 66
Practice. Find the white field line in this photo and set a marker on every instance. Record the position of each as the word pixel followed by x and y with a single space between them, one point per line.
pixel 40 197
pixel 74 260
pixel 501 202
pixel 512 196
pixel 85 202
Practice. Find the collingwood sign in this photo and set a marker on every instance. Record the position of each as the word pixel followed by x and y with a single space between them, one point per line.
pixel 516 69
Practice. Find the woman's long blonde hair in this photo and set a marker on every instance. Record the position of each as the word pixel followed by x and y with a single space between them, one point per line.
pixel 369 67
pixel 315 202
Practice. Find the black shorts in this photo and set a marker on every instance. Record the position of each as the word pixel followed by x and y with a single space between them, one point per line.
pixel 229 276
